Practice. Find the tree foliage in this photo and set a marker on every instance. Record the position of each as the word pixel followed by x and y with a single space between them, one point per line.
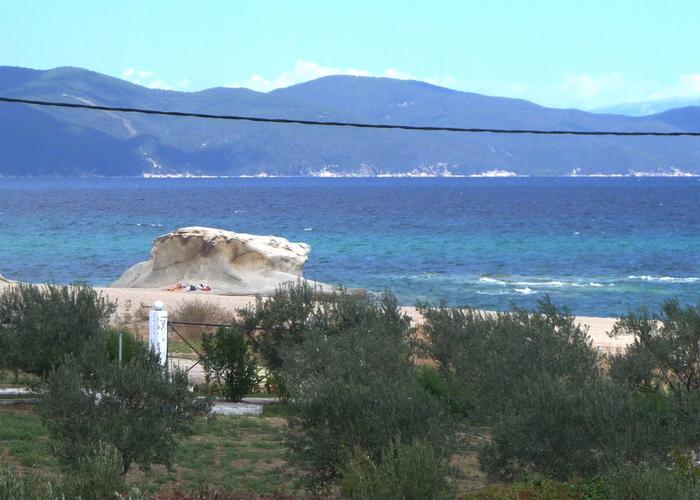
pixel 353 383
pixel 406 471
pixel 538 381
pixel 565 430
pixel 40 324
pixel 228 358
pixel 496 355
pixel 137 408
pixel 665 353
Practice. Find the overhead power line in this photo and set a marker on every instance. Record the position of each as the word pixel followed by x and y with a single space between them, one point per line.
pixel 340 124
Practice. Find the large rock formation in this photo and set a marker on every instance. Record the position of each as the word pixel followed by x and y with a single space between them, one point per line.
pixel 231 263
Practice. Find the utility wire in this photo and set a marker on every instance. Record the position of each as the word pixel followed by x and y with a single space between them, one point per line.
pixel 340 124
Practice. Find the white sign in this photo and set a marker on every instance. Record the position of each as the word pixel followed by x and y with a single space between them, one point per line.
pixel 158 331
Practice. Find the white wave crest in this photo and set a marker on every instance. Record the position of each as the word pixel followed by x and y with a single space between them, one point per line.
pixel 666 279
pixel 668 172
pixel 491 281
pixel 525 291
pixel 495 173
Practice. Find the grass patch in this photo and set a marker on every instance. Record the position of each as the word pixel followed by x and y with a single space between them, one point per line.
pixel 237 454
pixel 9 378
pixel 229 454
pixel 278 410
pixel 23 439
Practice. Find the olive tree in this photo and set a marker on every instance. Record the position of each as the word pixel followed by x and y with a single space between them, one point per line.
pixel 665 352
pixel 137 408
pixel 40 324
pixel 353 384
pixel 496 354
pixel 228 359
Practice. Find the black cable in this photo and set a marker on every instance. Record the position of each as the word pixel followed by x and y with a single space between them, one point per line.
pixel 340 124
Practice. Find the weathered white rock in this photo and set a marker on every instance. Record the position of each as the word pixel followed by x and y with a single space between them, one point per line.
pixel 4 280
pixel 231 263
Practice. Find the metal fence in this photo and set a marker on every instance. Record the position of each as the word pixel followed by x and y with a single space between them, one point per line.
pixel 185 349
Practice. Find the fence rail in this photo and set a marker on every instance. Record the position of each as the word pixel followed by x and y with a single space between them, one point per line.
pixel 193 362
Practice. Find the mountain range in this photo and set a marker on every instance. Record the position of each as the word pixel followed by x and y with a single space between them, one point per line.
pixel 44 141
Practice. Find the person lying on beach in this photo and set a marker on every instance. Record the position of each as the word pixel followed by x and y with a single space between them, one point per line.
pixel 187 287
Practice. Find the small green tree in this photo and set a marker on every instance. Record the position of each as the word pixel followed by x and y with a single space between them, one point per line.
pixel 228 358
pixel 40 324
pixel 565 429
pixel 283 318
pixel 137 408
pixel 353 384
pixel 665 353
pixel 129 344
pixel 496 355
pixel 405 471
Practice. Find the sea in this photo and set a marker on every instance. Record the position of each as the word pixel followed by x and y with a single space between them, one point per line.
pixel 601 246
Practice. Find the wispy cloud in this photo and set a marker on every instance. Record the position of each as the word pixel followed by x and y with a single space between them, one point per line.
pixel 589 91
pixel 150 80
pixel 303 71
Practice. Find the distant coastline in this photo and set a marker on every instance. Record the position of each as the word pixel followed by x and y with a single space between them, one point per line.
pixel 325 173
pixel 350 175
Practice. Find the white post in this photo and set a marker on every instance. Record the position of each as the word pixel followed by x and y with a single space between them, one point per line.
pixel 158 330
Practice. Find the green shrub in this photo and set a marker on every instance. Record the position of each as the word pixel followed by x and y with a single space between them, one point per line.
pixel 496 354
pixel 643 482
pixel 565 430
pixel 282 319
pixel 198 311
pixel 352 381
pixel 405 471
pixel 663 365
pixel 97 475
pixel 228 359
pixel 541 489
pixel 40 324
pixel 14 486
pixel 129 344
pixel 665 353
pixel 458 396
pixel 431 380
pixel 137 408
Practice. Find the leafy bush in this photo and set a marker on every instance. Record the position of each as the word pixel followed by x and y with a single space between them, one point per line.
pixel 665 353
pixel 565 430
pixel 198 311
pixel 228 358
pixel 97 475
pixel 137 408
pixel 353 383
pixel 458 396
pixel 496 355
pixel 537 381
pixel 17 486
pixel 663 364
pixel 412 471
pixel 282 319
pixel 642 482
pixel 539 489
pixel 129 344
pixel 41 324
pixel 14 486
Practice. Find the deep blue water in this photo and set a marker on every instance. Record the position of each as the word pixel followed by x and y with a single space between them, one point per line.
pixel 598 245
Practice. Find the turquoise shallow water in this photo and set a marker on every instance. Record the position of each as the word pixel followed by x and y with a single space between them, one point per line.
pixel 599 245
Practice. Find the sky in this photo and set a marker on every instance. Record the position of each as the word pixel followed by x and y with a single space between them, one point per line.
pixel 585 54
